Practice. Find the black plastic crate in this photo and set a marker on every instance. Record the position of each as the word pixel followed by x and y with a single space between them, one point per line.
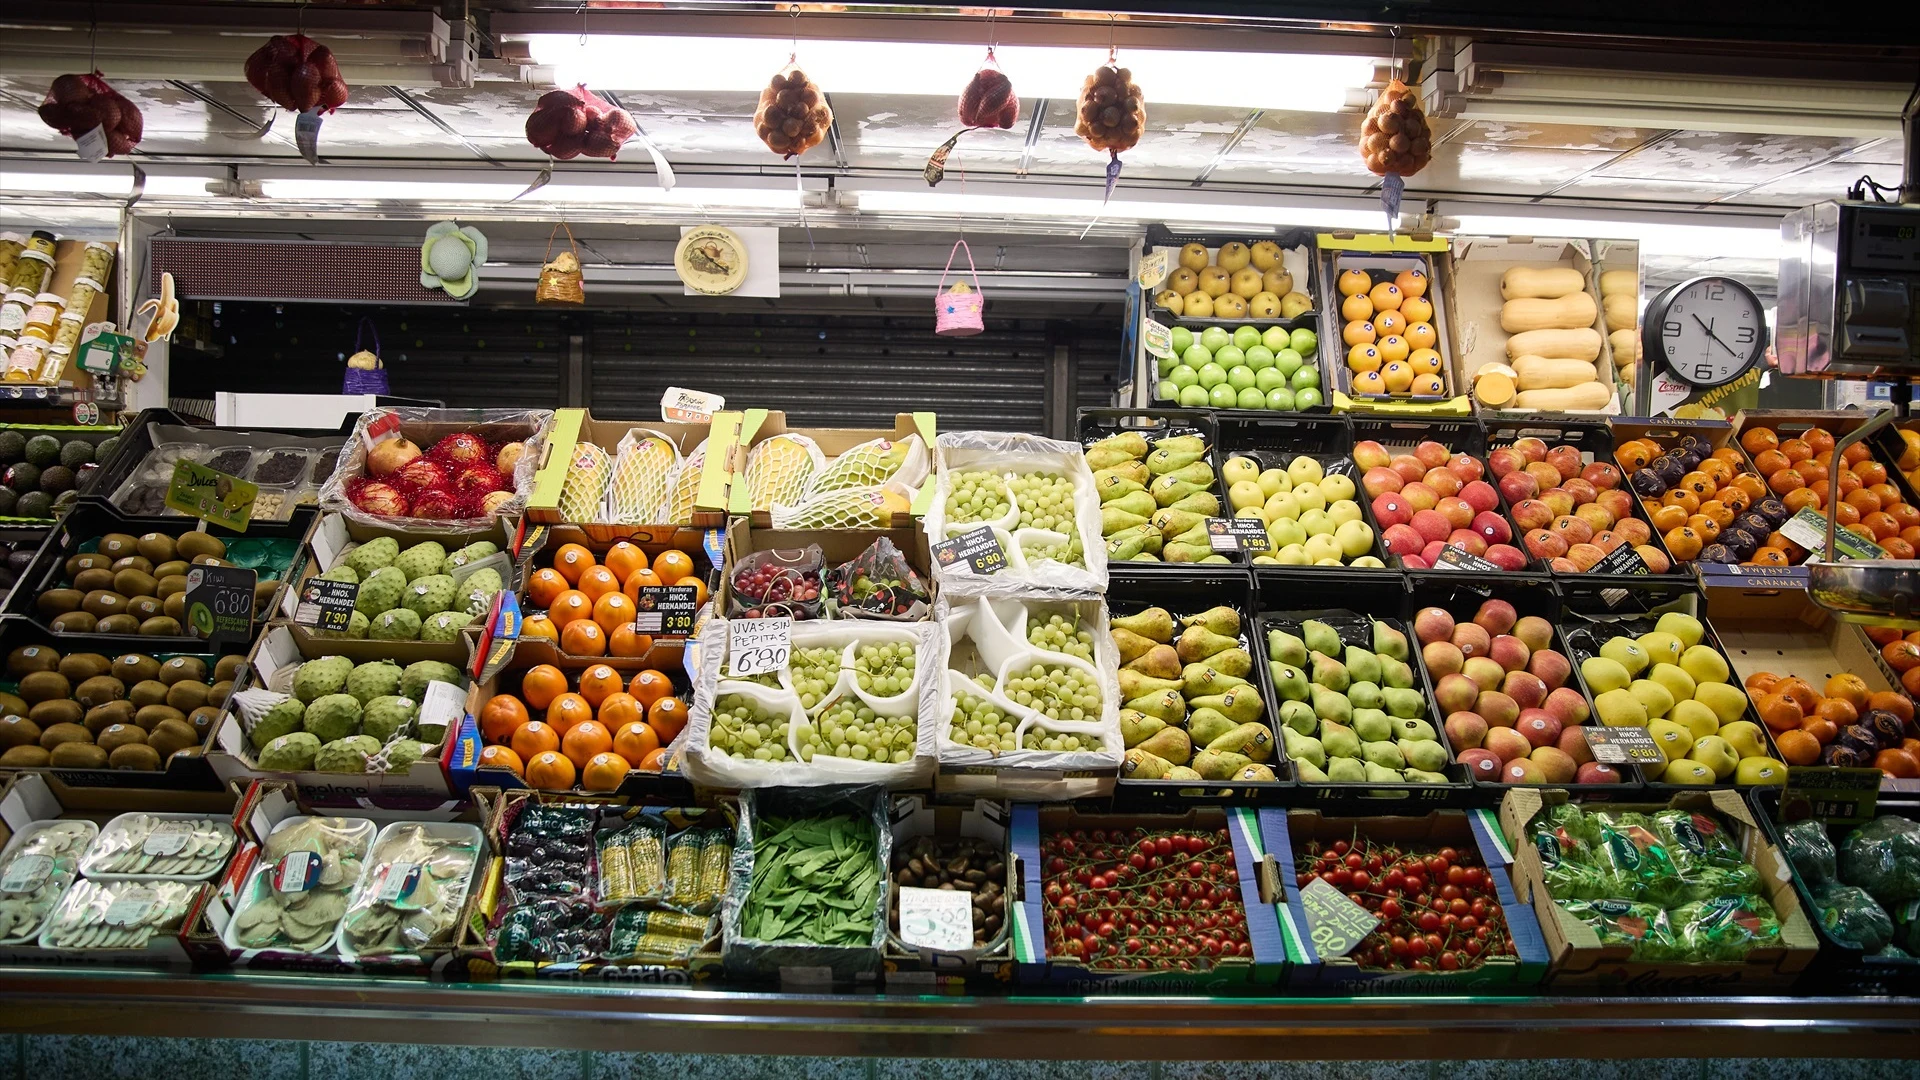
pixel 1839 969
pixel 1584 639
pixel 1401 435
pixel 1594 440
pixel 1097 424
pixel 1460 594
pixel 1288 238
pixel 86 477
pixel 136 442
pixel 80 530
pixel 1186 596
pixel 18 544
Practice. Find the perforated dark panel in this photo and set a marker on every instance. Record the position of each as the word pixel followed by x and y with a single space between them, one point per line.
pixel 291 270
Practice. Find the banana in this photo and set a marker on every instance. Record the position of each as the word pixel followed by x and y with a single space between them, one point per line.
pixel 165 310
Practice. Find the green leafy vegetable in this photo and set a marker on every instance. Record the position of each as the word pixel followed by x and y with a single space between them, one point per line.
pixel 815 880
pixel 1810 851
pixel 1883 857
pixel 1851 917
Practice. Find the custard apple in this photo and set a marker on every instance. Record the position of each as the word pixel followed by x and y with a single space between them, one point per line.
pixel 373 555
pixel 422 559
pixel 348 755
pixel 282 719
pixel 473 552
pixel 376 678
pixel 292 752
pixel 335 716
pixel 444 626
pixel 381 592
pixel 414 680
pixel 396 625
pixel 428 595
pixel 357 623
pixel 322 676
pixel 386 716
pixel 343 572
pixel 402 755
pixel 476 593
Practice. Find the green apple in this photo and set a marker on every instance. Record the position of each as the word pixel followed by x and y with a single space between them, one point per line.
pixel 1213 337
pixel 1287 361
pixel 1337 487
pixel 1343 511
pixel 1745 738
pixel 1712 751
pixel 1193 396
pixel 1760 770
pixel 1303 341
pixel 1308 398
pixel 1240 377
pixel 1370 561
pixel 1316 522
pixel 1164 364
pixel 1229 357
pixel 1242 493
pixel 1237 469
pixel 1183 375
pixel 1285 532
pixel 1166 390
pixel 1304 470
pixel 1269 378
pixel 1687 771
pixel 1246 337
pixel 1222 396
pixel 1259 358
pixel 1280 399
pixel 1274 481
pixel 1196 356
pixel 1276 338
pixel 1259 513
pixel 1308 496
pixel 1250 397
pixel 1182 339
pixel 1283 507
pixel 1294 555
pixel 1307 378
pixel 1355 537
pixel 1212 375
pixel 1324 547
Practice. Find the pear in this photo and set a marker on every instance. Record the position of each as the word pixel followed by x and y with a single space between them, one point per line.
pixel 1138 727
pixel 1168 705
pixel 1154 624
pixel 1134 472
pixel 1331 705
pixel 1181 772
pixel 1309 773
pixel 1197 643
pixel 1254 773
pixel 1138 504
pixel 1134 542
pixel 1199 473
pixel 1180 444
pixel 1298 715
pixel 1381 774
pixel 1115 519
pixel 1193 534
pixel 1253 740
pixel 1133 684
pixel 1396 673
pixel 1167 491
pixel 1284 648
pixel 1387 755
pixel 1164 461
pixel 1221 620
pixel 1219 765
pixel 1175 523
pixel 1131 645
pixel 1107 457
pixel 1171 744
pixel 1161 662
pixel 1365 695
pixel 1362 666
pixel 1236 662
pixel 1330 673
pixel 1389 642
pixel 1322 638
pixel 1204 503
pixel 1114 487
pixel 1206 725
pixel 1425 756
pixel 1422 776
pixel 1200 680
pixel 1180 551
pixel 1131 443
pixel 1346 770
pixel 1372 725
pixel 1415 730
pixel 1303 747
pixel 1240 704
pixel 1405 703
pixel 1140 765
pixel 1290 683
pixel 1339 740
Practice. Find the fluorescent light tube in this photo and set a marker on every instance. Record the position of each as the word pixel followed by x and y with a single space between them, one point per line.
pixel 641 192
pixel 1655 237
pixel 1139 208
pixel 107 181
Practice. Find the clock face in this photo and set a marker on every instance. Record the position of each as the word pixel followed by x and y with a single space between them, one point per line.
pixel 1711 330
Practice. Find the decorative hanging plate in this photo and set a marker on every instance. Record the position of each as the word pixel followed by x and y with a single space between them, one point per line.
pixel 711 260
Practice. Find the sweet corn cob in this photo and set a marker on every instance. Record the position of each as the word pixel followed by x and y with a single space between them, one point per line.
pixel 640 478
pixel 778 471
pixel 586 487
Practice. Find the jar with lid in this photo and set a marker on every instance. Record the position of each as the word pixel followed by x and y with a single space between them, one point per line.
pixel 54 365
pixel 25 358
pixel 10 245
pixel 80 298
pixel 44 313
pixel 42 242
pixel 96 261
pixel 30 272
pixel 66 337
pixel 13 312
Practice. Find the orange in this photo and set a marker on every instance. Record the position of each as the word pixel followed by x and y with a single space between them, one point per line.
pixel 650 686
pixel 534 738
pixel 583 637
pixel 636 580
pixel 585 739
pixel 635 741
pixel 541 684
pixel 1786 480
pixel 567 711
pixel 501 716
pixel 1669 518
pixel 1416 308
pixel 1632 457
pixel 1771 556
pixel 1856 453
pixel 1356 308
pixel 598 682
pixel 1882 525
pixel 1386 296
pixel 1761 683
pixel 568 607
pixel 623 559
pixel 500 757
pixel 539 626
pixel 1755 440
pixel 1797 747
pixel 1803 498
pixel 604 772
pixel 1870 472
pixel 617 710
pixel 1801 690
pixel 572 560
pixel 672 564
pixel 1823 731
pixel 654 762
pixel 1751 484
pixel 623 641
pixel 667 716
pixel 1412 282
pixel 1358 333
pixel 1718 470
pixel 550 771
pixel 613 611
pixel 1779 712
pixel 1684 544
pixel 1820 439
pixel 1681 497
pixel 545 586
pixel 598 581
pixel 1839 711
pixel 1796 449
pixel 1850 687
pixel 1888 701
pixel 1898 764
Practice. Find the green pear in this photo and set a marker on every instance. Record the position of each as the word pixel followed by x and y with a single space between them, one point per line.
pixel 1139 504
pixel 1365 695
pixel 1138 727
pixel 1415 730
pixel 1174 523
pixel 1236 662
pixel 1339 740
pixel 1309 773
pixel 1303 747
pixel 1372 725
pixel 1131 443
pixel 1171 744
pixel 1180 444
pixel 1167 705
pixel 1253 740
pixel 1161 662
pixel 1206 725
pixel 1167 491
pixel 1362 666
pixel 1134 542
pixel 1330 673
pixel 1424 755
pixel 1112 486
pixel 1396 673
pixel 1384 754
pixel 1107 457
pixel 1241 704
pixel 1389 642
pixel 1254 773
pixel 1284 648
pixel 1199 680
pixel 1346 770
pixel 1196 534
pixel 1405 703
pixel 1221 620
pixel 1154 624
pixel 1198 472
pixel 1115 519
pixel 1322 638
pixel 1133 684
pixel 1131 645
pixel 1298 715
pixel 1217 559
pixel 1164 461
pixel 1197 643
pixel 1290 683
pixel 1202 502
pixel 1140 765
pixel 1133 472
pixel 1331 705
pixel 1185 552
pixel 1381 774
pixel 1218 764
pixel 1143 556
pixel 1182 772
pixel 1422 776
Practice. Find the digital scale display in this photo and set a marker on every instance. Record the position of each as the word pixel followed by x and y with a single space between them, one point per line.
pixel 1884 241
pixel 1891 232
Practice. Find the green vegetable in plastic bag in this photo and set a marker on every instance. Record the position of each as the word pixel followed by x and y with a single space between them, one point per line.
pixel 1894 952
pixel 1810 851
pixel 1851 917
pixel 1643 928
pixel 1724 928
pixel 1883 857
pixel 1705 856
pixel 1634 859
pixel 815 880
pixel 1566 859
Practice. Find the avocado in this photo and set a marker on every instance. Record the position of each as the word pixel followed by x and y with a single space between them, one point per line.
pixel 23 477
pixel 9 502
pixel 55 479
pixel 28 659
pixel 43 450
pixel 74 622
pixel 13 447
pixel 107 446
pixel 76 453
pixel 63 502
pixel 34 504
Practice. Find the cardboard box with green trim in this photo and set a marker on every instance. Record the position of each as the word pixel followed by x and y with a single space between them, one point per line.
pixel 830 478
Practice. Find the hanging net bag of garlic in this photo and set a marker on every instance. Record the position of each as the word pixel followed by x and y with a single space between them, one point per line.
pixel 793 116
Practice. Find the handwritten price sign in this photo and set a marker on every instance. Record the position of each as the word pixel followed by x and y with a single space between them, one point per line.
pixel 759 646
pixel 1335 923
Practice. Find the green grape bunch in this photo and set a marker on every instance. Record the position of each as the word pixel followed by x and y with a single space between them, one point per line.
pixel 885 670
pixel 1046 501
pixel 743 729
pixel 1056 691
pixel 814 673
pixel 1061 634
pixel 977 495
pixel 979 723
pixel 1068 553
pixel 1060 742
pixel 849 728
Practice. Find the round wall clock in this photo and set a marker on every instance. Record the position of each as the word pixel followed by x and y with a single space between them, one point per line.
pixel 1708 330
pixel 711 260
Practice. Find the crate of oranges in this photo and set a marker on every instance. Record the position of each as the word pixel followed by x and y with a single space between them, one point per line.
pixel 1844 722
pixel 1794 455
pixel 582 598
pixel 587 728
pixel 1705 501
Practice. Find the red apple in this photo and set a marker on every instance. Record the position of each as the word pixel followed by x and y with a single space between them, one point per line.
pixel 1431 553
pixel 1468 541
pixel 1581 491
pixel 1596 516
pixel 1510 653
pixel 1532 449
pixel 1518 487
pixel 1604 476
pixel 1566 704
pixel 1456 693
pixel 1466 467
pixel 1432 524
pixel 1585 556
pixel 1484 765
pixel 1539 726
pixel 1370 455
pixel 1403 540
pixel 1558 498
pixel 1473 640
pixel 1442 658
pixel 1431 624
pixel 1547 475
pixel 1571 529
pixel 1573 743
pixel 1534 631
pixel 1409 467
pixel 1566 459
pixel 1456 510
pixel 1526 689
pixel 1492 527
pixel 1497 616
pixel 1415 562
pixel 1380 480
pixel 1594 772
pixel 1506 557
pixel 1480 495
pixel 1512 746
pixel 1503 461
pixel 1544 545
pixel 1432 454
pixel 1441 481
pixel 1551 668
pixel 1465 730
pixel 1419 496
pixel 1656 560
pixel 1617 501
pixel 1499 709
pixel 1389 509
pixel 1532 514
pixel 1562 565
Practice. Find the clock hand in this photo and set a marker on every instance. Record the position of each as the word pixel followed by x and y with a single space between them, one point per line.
pixel 1714 336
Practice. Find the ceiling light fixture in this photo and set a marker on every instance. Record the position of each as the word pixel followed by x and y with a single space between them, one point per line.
pixel 375 189
pixel 16 180
pixel 1656 236
pixel 1242 211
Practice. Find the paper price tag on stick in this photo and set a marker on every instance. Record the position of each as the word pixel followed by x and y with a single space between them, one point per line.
pixel 758 646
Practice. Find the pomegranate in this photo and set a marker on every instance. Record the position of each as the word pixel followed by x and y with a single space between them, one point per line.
pixel 389 455
pixel 421 474
pixel 479 480
pixel 462 449
pixel 437 504
pixel 377 497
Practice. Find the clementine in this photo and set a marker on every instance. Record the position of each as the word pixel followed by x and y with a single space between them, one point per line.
pixel 572 560
pixel 550 771
pixel 1897 763
pixel 585 739
pixel 604 772
pixel 583 637
pixel 534 738
pixel 1838 711
pixel 1822 730
pixel 1820 439
pixel 1888 701
pixel 1801 690
pixel 1779 712
pixel 501 716
pixel 1754 440
pixel 1797 747
pixel 539 685
pixel 1851 687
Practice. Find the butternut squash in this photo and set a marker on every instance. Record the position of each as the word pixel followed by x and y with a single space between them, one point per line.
pixel 1493 384
pixel 1580 344
pixel 1623 310
pixel 1588 396
pixel 1564 313
pixel 1541 282
pixel 1552 373
pixel 1626 348
pixel 1619 283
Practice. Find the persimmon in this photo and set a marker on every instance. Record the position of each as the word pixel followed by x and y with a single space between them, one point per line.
pixel 635 740
pixel 534 738
pixel 672 564
pixel 569 607
pixel 501 757
pixel 549 770
pixel 567 712
pixel 666 717
pixel 613 612
pixel 654 762
pixel 627 642
pixel 604 772
pixel 598 581
pixel 544 586
pixel 539 685
pixel 585 739
pixel 501 716
pixel 649 687
pixel 598 682
pixel 572 560
pixel 623 558
pixel 583 637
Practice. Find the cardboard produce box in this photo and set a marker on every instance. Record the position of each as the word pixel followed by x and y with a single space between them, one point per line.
pixel 1383 258
pixel 534 643
pixel 573 428
pixel 756 426
pixel 918 968
pixel 837 547
pixel 1582 964
pixel 1476 302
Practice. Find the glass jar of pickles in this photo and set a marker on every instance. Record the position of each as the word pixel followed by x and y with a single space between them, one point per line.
pixel 30 272
pixel 66 337
pixel 96 261
pixel 80 298
pixel 13 312
pixel 44 313
pixel 10 245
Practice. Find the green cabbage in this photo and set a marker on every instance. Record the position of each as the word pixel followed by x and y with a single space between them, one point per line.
pixel 1883 857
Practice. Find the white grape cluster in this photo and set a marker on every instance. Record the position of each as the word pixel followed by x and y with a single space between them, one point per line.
pixel 1042 739
pixel 979 723
pixel 745 730
pixel 1046 501
pixel 1061 634
pixel 884 670
pixel 1056 691
pixel 813 672
pixel 977 495
pixel 848 728
pixel 1068 553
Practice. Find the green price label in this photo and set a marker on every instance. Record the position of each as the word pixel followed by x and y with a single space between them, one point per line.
pixel 198 491
pixel 1335 923
pixel 1833 794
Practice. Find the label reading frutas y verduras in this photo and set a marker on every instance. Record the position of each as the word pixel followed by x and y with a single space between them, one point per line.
pixel 1462 559
pixel 667 610
pixel 978 551
pixel 1238 534
pixel 1623 745
pixel 1621 561
pixel 758 646
pixel 1334 921
pixel 326 605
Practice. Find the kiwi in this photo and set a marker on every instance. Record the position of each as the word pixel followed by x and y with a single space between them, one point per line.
pixel 122 623
pixel 218 694
pixel 171 736
pixel 187 668
pixel 118 545
pixel 138 756
pixel 91 560
pixel 18 731
pixel 58 601
pixel 57 711
pixel 171 568
pixel 203 719
pixel 187 695
pixel 193 545
pixel 28 659
pixel 136 667
pixel 77 755
pixel 157 547
pixel 25 757
pixel 133 562
pixel 53 735
pixel 161 626
pixel 120 735
pixel 81 666
pixel 101 603
pixel 144 607
pixel 147 692
pixel 133 582
pixel 175 606
pixel 74 622
pixel 209 560
pixel 152 716
pixel 101 717
pixel 227 668
pixel 167 586
pixel 12 704
pixel 264 591
pixel 99 690
pixel 93 580
pixel 44 686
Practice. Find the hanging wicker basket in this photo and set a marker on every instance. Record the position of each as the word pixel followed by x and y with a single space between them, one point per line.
pixel 957 312
pixel 560 280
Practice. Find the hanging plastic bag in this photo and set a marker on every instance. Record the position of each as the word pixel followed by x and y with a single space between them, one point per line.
pixel 879 583
pixel 772 584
